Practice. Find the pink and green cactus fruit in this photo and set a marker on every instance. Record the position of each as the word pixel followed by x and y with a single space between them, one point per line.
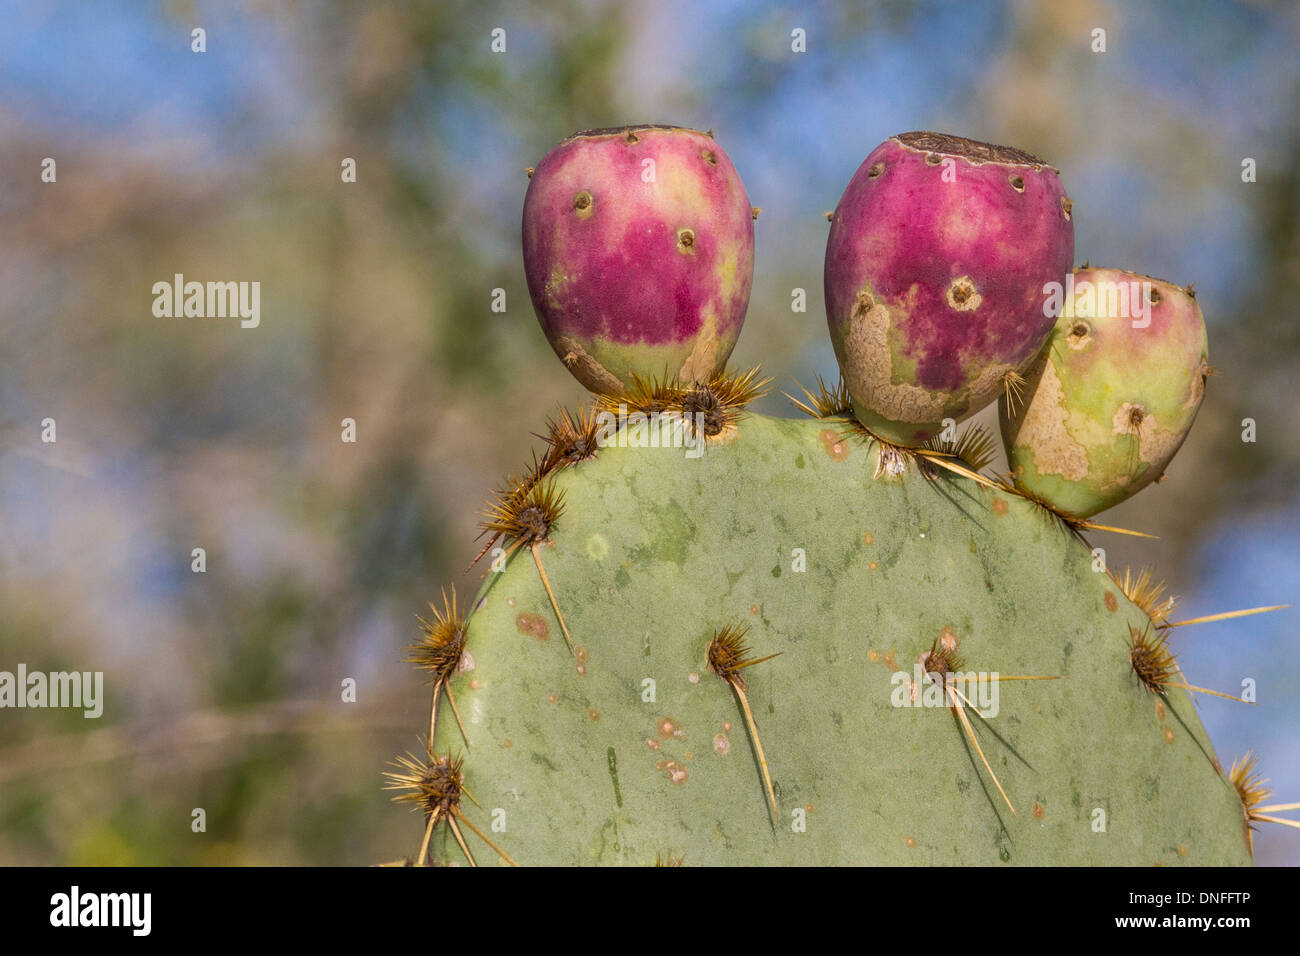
pixel 938 255
pixel 1114 395
pixel 639 254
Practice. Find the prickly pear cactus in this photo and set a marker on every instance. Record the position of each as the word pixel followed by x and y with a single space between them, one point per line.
pixel 711 636
pixel 632 749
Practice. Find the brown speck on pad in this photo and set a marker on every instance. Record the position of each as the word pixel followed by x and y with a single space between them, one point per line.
pixel 837 449
pixel 534 625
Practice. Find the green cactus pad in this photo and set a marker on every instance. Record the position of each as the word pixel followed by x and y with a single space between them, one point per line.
pixel 582 760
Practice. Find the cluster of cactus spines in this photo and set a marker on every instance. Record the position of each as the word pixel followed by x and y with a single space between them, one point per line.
pixel 935 263
pixel 938 664
pixel 1250 786
pixel 728 655
pixel 639 254
pixel 435 785
pixel 886 558
pixel 714 404
pixel 1116 394
pixel 440 652
pixel 524 511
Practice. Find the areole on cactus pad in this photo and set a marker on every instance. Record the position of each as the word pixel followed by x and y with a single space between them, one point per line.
pixel 639 254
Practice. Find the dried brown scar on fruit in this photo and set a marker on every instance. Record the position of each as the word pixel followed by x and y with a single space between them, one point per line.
pixel 586 369
pixel 988 380
pixel 1043 429
pixel 867 349
pixel 702 361
pixel 1196 388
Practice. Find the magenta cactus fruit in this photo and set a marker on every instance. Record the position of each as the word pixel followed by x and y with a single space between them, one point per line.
pixel 639 254
pixel 1114 395
pixel 938 255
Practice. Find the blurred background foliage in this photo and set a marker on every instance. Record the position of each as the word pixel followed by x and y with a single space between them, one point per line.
pixel 223 688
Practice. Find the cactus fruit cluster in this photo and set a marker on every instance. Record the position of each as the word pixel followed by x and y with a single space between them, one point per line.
pixel 738 639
